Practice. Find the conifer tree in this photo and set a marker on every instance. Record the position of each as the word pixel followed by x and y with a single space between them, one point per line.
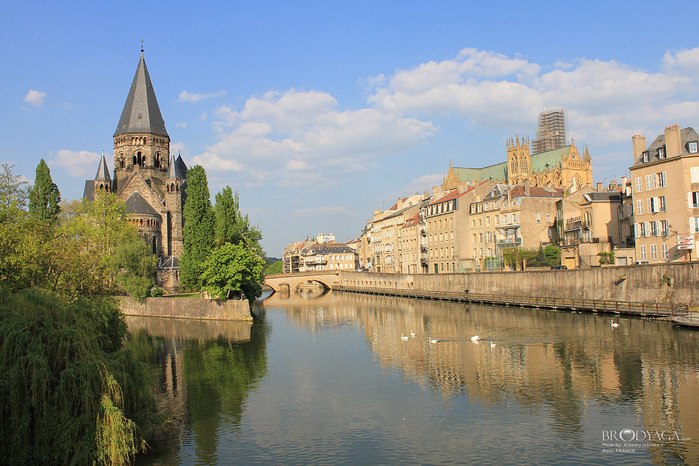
pixel 198 231
pixel 231 225
pixel 44 197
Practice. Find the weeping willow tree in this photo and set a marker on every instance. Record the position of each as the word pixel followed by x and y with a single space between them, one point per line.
pixel 68 393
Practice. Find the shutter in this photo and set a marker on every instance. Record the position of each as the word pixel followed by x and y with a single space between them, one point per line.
pixel 636 230
pixel 692 225
pixel 656 204
pixel 646 229
pixel 690 202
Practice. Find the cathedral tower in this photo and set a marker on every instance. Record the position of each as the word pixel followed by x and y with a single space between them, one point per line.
pixel 141 142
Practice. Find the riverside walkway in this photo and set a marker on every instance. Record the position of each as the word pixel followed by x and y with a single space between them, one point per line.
pixel 660 310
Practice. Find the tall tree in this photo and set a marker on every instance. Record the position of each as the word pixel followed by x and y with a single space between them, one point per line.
pixel 231 225
pixel 13 189
pixel 198 231
pixel 44 197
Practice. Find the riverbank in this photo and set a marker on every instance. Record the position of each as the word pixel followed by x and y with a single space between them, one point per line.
pixel 177 308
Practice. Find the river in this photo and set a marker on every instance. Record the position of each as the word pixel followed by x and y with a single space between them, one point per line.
pixel 350 378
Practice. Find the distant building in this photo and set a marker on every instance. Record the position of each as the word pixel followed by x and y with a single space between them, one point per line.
pixel 146 178
pixel 551 133
pixel 665 179
pixel 563 167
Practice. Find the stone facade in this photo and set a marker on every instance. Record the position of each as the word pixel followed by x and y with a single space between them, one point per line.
pixel 146 178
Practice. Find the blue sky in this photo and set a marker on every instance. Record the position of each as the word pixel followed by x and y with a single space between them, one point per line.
pixel 319 112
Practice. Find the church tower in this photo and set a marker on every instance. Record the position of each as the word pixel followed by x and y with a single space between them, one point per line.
pixel 519 161
pixel 173 203
pixel 141 142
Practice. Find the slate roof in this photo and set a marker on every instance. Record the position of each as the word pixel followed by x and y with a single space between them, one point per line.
pixel 172 172
pixel 89 191
pixel 141 112
pixel 136 204
pixel 327 248
pixel 686 135
pixel 103 171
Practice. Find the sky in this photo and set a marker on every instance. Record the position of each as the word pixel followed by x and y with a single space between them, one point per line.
pixel 320 112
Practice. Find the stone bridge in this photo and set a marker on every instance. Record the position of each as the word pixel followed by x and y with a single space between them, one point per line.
pixel 288 282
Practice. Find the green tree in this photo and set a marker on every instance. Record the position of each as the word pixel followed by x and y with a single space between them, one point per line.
pixel 553 254
pixel 14 191
pixel 231 225
pixel 44 197
pixel 198 231
pixel 274 267
pixel 134 267
pixel 233 268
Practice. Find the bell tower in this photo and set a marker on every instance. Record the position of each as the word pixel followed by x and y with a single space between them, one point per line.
pixel 141 142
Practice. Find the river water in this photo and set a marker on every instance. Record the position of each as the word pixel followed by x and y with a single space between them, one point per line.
pixel 340 378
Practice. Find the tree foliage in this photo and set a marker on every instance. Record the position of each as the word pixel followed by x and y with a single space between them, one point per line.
pixel 134 267
pixel 274 267
pixel 198 231
pixel 231 225
pixel 231 269
pixel 14 190
pixel 44 197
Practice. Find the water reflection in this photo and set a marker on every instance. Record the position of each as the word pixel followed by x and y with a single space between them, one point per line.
pixel 205 371
pixel 562 365
pixel 545 386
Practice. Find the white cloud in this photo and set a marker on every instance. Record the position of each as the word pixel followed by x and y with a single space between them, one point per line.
pixel 181 125
pixel 186 96
pixel 35 98
pixel 80 164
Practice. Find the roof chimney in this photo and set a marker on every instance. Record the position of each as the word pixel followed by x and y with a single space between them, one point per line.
pixel 673 141
pixel 526 187
pixel 639 145
pixel 599 186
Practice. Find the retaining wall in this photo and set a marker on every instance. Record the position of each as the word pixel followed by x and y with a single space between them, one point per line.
pixel 648 283
pixel 185 308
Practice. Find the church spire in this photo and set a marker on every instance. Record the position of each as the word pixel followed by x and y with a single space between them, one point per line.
pixel 103 171
pixel 172 170
pixel 141 112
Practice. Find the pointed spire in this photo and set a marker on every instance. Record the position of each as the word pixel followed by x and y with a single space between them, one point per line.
pixel 141 112
pixel 103 171
pixel 172 170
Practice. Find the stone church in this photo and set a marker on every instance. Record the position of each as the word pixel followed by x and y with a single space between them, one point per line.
pixel 146 177
pixel 564 167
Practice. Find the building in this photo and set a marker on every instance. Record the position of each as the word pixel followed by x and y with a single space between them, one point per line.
pixel 327 256
pixel 146 178
pixel 665 179
pixel 563 167
pixel 551 133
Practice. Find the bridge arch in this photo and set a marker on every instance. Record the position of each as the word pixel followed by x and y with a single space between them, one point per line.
pixel 290 281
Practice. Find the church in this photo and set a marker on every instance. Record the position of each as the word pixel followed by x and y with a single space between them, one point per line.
pixel 150 181
pixel 564 167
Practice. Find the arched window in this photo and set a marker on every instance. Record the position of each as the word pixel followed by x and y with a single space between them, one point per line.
pixel 172 186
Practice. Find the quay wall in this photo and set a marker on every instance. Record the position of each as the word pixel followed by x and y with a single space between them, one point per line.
pixel 648 283
pixel 185 308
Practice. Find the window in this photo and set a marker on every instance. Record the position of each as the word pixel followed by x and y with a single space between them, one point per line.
pixel 694 174
pixel 643 252
pixel 661 204
pixel 661 182
pixel 642 229
pixel 646 157
pixel 693 199
pixel 692 147
pixel 649 182
pixel 663 251
pixel 661 153
pixel 538 218
pixel 639 206
pixel 638 184
pixel 694 224
pixel 487 221
pixel 664 227
pixel 654 228
pixel 516 218
pixel 653 251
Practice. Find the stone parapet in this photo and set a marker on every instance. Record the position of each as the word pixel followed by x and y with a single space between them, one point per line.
pixel 185 308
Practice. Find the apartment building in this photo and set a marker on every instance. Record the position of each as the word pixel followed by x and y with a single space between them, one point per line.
pixel 327 256
pixel 444 217
pixel 665 178
pixel 412 246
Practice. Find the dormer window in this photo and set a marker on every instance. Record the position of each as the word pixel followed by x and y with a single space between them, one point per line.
pixel 646 157
pixel 661 153
pixel 693 147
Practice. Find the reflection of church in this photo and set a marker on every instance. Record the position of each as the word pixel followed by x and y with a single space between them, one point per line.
pixel 146 178
pixel 563 167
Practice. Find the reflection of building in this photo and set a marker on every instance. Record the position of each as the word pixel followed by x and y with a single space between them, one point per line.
pixel 665 193
pixel 146 178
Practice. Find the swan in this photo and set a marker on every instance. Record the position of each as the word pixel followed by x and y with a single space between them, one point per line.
pixel 433 340
pixel 614 324
pixel 475 338
pixel 412 334
pixel 403 337
pixel 492 345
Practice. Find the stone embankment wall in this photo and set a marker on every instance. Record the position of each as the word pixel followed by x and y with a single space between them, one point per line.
pixel 662 283
pixel 184 308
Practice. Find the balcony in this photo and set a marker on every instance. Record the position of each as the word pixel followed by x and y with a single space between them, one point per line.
pixel 423 248
pixel 509 243
pixel 424 260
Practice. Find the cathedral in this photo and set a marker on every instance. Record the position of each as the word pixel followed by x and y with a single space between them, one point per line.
pixel 146 177
pixel 564 167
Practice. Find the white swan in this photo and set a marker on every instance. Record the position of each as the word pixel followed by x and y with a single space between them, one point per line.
pixel 475 338
pixel 492 345
pixel 403 337
pixel 412 334
pixel 614 324
pixel 433 340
